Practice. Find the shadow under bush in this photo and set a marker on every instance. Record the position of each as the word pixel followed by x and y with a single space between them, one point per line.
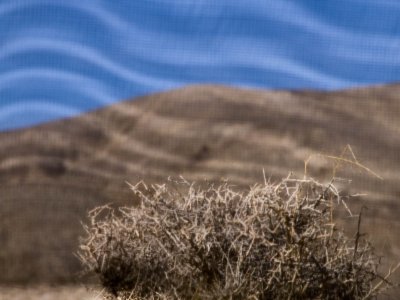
pixel 274 241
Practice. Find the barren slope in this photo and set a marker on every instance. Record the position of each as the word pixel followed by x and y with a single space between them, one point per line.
pixel 51 175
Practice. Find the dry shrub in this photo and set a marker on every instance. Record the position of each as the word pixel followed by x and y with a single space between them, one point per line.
pixel 274 241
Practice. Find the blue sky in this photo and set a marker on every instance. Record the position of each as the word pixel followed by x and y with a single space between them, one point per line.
pixel 62 58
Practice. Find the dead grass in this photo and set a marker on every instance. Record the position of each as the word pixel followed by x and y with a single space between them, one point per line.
pixel 274 241
pixel 44 292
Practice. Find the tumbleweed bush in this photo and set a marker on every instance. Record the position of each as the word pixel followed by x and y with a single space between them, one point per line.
pixel 273 241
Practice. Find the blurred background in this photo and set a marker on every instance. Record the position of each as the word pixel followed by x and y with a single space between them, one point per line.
pixel 96 93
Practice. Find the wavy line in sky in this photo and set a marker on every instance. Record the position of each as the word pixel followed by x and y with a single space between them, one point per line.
pixel 287 9
pixel 26 111
pixel 110 20
pixel 98 52
pixel 84 85
pixel 275 62
pixel 79 51
pixel 303 20
pixel 26 106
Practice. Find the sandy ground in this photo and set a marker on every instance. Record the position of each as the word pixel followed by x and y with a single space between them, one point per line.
pixel 49 293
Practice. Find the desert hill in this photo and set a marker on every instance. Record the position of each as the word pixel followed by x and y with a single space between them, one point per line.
pixel 52 174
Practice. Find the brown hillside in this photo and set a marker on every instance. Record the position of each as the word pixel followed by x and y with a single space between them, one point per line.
pixel 52 174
